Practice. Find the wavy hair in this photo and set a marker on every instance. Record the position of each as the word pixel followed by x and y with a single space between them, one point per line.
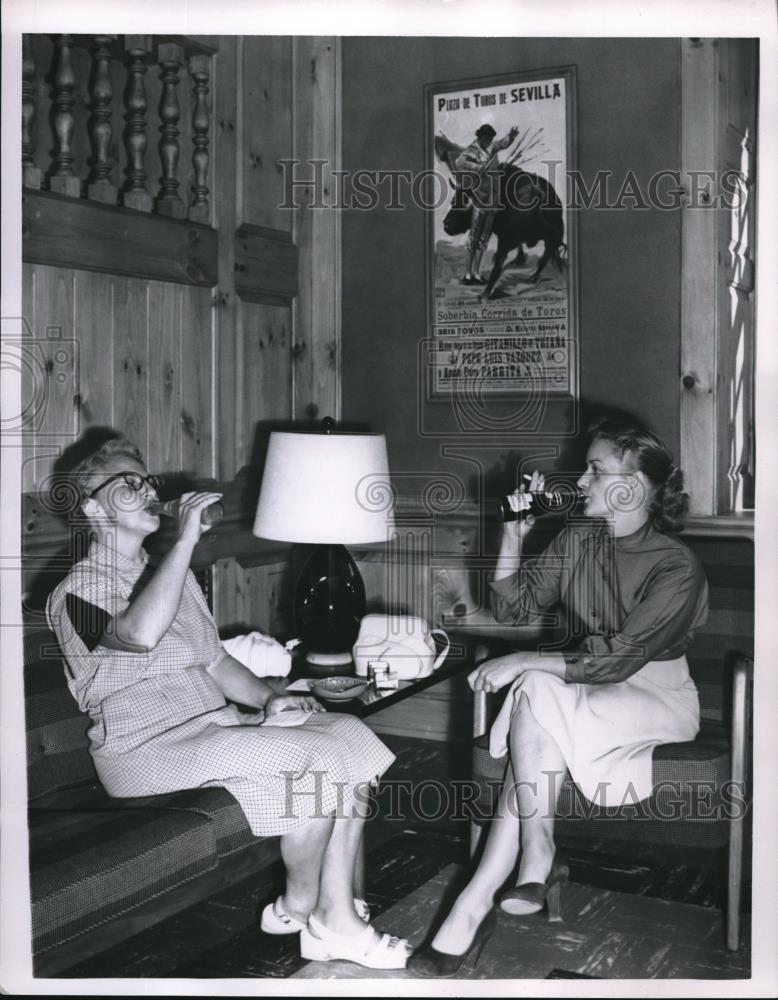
pixel 668 505
pixel 73 475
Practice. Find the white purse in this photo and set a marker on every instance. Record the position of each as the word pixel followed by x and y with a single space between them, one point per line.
pixel 406 643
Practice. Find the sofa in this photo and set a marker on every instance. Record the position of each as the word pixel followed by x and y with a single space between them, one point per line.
pixel 102 868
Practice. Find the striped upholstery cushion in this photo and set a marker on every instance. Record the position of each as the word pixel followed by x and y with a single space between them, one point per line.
pixel 229 821
pixel 90 866
pixel 57 745
pixel 687 807
pixel 230 829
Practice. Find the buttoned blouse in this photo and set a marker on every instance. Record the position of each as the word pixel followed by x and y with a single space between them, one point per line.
pixel 628 601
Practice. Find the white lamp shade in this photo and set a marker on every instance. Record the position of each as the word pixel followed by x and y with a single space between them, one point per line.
pixel 325 488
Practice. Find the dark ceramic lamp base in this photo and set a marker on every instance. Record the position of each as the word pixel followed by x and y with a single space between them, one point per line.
pixel 329 605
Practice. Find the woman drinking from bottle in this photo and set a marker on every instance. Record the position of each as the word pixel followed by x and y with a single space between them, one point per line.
pixel 632 594
pixel 144 660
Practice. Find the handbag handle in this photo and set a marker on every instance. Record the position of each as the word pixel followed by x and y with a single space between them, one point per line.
pixel 444 652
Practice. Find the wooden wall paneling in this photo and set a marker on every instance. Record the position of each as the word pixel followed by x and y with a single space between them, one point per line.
pixel 131 372
pixel 267 595
pixel 97 339
pixel 164 376
pixel 228 596
pixel 264 377
pixel 225 86
pixel 316 353
pixel 197 372
pixel 74 232
pixel 267 129
pixel 266 265
pixel 57 352
pixel 699 270
pixel 254 598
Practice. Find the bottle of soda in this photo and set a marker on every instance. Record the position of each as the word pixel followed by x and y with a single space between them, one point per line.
pixel 169 508
pixel 518 506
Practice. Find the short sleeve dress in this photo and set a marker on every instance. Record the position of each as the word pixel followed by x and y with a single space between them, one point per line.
pixel 631 606
pixel 160 723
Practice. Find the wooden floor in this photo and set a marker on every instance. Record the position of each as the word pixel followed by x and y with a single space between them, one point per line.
pixel 628 913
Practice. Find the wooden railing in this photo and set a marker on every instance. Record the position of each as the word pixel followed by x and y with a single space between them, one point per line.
pixel 81 91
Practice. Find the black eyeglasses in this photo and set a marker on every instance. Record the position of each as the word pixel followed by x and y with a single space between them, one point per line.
pixel 133 480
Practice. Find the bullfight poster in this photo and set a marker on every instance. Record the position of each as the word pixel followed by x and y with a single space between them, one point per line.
pixel 501 250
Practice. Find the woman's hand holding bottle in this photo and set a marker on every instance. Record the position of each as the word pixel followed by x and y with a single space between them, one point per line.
pixel 190 508
pixel 517 529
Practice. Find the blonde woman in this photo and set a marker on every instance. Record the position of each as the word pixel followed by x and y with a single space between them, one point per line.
pixel 633 594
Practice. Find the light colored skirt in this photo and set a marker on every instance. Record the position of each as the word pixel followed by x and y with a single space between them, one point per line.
pixel 607 732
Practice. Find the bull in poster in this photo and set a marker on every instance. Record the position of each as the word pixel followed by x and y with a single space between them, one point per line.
pixel 503 313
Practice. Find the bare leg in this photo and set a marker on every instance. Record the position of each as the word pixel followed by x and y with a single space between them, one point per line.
pixel 496 864
pixel 540 768
pixel 525 814
pixel 335 905
pixel 359 870
pixel 303 853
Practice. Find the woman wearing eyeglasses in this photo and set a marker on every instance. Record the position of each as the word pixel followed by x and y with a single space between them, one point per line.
pixel 145 662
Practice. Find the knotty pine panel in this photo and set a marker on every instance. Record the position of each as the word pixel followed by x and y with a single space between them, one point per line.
pixel 263 376
pixel 131 374
pixel 117 352
pixel 267 130
pixel 254 598
pixel 53 369
pixel 317 360
pixel 197 371
pixel 97 338
pixel 164 404
pixel 224 184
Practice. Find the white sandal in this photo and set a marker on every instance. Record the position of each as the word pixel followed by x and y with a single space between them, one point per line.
pixel 275 919
pixel 368 948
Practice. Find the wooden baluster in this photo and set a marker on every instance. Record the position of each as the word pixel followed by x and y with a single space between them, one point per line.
pixel 100 187
pixel 170 56
pixel 136 194
pixel 63 180
pixel 199 67
pixel 31 175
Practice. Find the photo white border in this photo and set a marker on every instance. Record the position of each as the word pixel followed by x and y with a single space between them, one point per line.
pixel 528 18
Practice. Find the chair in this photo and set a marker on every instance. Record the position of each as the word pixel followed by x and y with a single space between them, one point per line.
pixel 679 813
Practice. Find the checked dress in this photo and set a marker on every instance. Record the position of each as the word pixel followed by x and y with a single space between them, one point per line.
pixel 160 723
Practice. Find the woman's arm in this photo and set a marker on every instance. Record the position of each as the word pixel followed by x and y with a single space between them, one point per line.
pixel 496 674
pixel 143 623
pixel 238 684
pixel 513 534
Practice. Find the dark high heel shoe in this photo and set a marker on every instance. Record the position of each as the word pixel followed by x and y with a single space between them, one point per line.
pixel 428 961
pixel 531 897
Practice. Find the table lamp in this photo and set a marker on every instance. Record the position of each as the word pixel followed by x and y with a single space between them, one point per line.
pixel 329 489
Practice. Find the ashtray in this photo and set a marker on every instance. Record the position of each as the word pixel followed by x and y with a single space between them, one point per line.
pixel 338 688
